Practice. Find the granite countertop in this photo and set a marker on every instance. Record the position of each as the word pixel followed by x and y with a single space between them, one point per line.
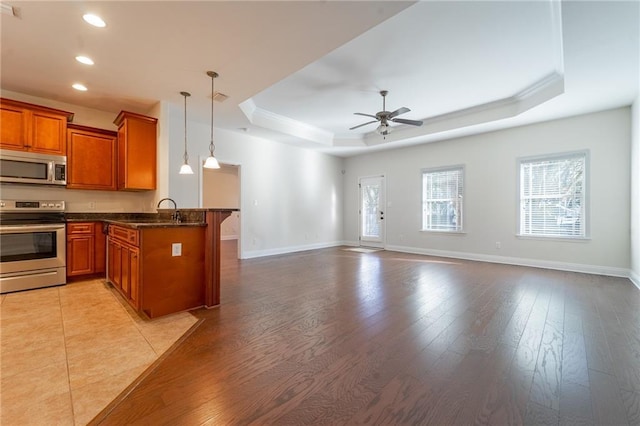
pixel 136 224
pixel 161 219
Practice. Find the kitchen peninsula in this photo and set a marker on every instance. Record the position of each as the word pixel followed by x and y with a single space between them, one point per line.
pixel 159 265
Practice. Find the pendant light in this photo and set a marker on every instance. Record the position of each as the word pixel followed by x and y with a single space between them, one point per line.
pixel 186 168
pixel 211 162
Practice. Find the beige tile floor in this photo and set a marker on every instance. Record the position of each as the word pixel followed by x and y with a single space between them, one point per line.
pixel 66 352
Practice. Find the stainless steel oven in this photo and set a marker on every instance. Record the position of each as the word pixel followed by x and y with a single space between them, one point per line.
pixel 32 245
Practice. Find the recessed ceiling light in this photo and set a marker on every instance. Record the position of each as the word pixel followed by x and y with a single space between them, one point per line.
pixel 94 20
pixel 80 87
pixel 84 60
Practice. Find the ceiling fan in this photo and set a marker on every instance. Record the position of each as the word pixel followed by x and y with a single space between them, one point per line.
pixel 384 117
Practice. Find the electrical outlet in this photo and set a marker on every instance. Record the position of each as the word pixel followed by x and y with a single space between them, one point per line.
pixel 176 249
pixel 498 245
pixel 92 205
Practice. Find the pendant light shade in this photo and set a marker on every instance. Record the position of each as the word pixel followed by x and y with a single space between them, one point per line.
pixel 211 162
pixel 185 169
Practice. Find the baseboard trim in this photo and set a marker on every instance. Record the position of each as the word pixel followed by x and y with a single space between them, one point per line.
pixel 635 278
pixel 250 254
pixel 534 263
pixel 228 237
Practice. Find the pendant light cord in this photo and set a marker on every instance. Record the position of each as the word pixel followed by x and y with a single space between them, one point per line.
pixel 212 147
pixel 186 156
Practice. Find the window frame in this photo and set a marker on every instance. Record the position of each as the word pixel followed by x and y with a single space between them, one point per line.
pixel 455 167
pixel 587 189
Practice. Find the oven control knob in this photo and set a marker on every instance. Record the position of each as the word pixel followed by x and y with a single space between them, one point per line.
pixel 50 204
pixel 2 204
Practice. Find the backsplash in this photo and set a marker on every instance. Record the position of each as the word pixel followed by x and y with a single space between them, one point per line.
pixel 84 201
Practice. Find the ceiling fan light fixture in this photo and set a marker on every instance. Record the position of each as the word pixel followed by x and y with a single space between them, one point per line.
pixel 383 129
pixel 384 117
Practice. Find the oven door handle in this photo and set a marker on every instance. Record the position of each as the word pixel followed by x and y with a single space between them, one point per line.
pixel 22 229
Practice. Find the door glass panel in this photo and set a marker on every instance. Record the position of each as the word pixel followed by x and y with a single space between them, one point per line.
pixel 370 207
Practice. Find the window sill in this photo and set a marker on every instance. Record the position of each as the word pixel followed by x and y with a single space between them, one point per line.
pixel 554 238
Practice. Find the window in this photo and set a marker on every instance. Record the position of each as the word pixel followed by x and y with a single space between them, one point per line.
pixel 442 199
pixel 552 196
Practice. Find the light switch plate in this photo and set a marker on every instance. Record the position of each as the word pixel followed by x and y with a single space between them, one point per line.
pixel 176 249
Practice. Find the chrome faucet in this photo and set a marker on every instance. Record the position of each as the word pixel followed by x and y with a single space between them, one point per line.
pixel 175 216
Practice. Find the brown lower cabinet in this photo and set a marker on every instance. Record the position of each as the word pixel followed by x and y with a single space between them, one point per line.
pixel 141 265
pixel 85 249
pixel 123 270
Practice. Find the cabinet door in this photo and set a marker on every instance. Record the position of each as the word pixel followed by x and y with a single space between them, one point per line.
pixel 80 255
pixel 115 264
pixel 125 272
pixel 48 133
pixel 13 131
pixel 100 249
pixel 91 159
pixel 137 140
pixel 110 262
pixel 134 277
pixel 122 156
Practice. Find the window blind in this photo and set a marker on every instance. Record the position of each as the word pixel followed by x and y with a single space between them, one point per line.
pixel 442 198
pixel 552 196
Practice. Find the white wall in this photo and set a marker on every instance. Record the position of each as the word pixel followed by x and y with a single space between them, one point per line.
pixel 221 187
pixel 80 200
pixel 230 228
pixel 291 198
pixel 490 194
pixel 635 192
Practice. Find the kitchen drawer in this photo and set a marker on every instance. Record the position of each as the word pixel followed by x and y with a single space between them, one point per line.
pixel 80 228
pixel 126 235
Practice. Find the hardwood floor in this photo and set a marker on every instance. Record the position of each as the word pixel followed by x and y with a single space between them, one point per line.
pixel 338 337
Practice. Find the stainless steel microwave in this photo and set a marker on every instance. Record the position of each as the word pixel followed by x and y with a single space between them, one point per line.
pixel 32 168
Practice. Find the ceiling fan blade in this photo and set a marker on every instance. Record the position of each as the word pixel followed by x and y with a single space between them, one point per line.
pixel 364 124
pixel 403 121
pixel 366 115
pixel 398 112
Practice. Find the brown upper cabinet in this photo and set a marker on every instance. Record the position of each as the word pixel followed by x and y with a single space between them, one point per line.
pixel 91 158
pixel 27 127
pixel 136 151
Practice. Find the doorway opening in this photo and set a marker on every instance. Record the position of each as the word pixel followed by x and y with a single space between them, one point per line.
pixel 220 188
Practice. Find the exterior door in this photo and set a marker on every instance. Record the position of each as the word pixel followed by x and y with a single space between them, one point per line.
pixel 372 208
